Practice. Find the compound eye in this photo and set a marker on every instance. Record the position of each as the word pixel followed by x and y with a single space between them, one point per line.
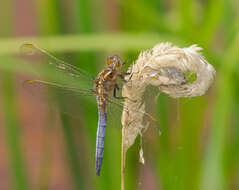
pixel 116 59
pixel 110 57
pixel 109 60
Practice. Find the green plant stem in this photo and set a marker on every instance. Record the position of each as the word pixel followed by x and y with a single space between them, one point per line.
pixel 212 173
pixel 88 42
pixel 12 131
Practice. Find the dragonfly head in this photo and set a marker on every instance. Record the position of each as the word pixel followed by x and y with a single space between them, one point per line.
pixel 114 61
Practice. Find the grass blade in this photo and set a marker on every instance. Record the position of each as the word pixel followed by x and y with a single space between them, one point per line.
pixel 13 133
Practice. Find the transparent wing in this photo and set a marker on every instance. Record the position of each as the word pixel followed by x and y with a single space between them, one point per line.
pixel 116 107
pixel 72 101
pixel 73 71
pixel 37 84
pixel 69 100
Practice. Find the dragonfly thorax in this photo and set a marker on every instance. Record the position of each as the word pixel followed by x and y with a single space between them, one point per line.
pixel 106 80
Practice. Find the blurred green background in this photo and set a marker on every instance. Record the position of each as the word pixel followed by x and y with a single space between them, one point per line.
pixel 44 149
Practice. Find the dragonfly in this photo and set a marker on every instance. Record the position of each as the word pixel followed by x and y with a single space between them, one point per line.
pixel 105 87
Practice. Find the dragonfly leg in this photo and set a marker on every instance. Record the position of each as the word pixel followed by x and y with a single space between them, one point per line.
pixel 122 75
pixel 117 97
pixel 116 87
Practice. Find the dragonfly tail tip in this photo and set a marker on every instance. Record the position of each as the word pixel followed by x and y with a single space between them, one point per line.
pixel 98 172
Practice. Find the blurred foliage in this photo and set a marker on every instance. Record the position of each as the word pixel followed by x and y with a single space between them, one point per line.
pixel 198 148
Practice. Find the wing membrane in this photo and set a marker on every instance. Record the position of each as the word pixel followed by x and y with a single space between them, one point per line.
pixel 31 49
pixel 66 99
pixel 38 83
pixel 71 100
pixel 116 106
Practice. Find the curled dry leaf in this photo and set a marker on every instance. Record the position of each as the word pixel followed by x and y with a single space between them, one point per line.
pixel 171 70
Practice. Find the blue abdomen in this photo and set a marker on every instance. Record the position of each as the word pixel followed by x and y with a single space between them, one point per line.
pixel 100 141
